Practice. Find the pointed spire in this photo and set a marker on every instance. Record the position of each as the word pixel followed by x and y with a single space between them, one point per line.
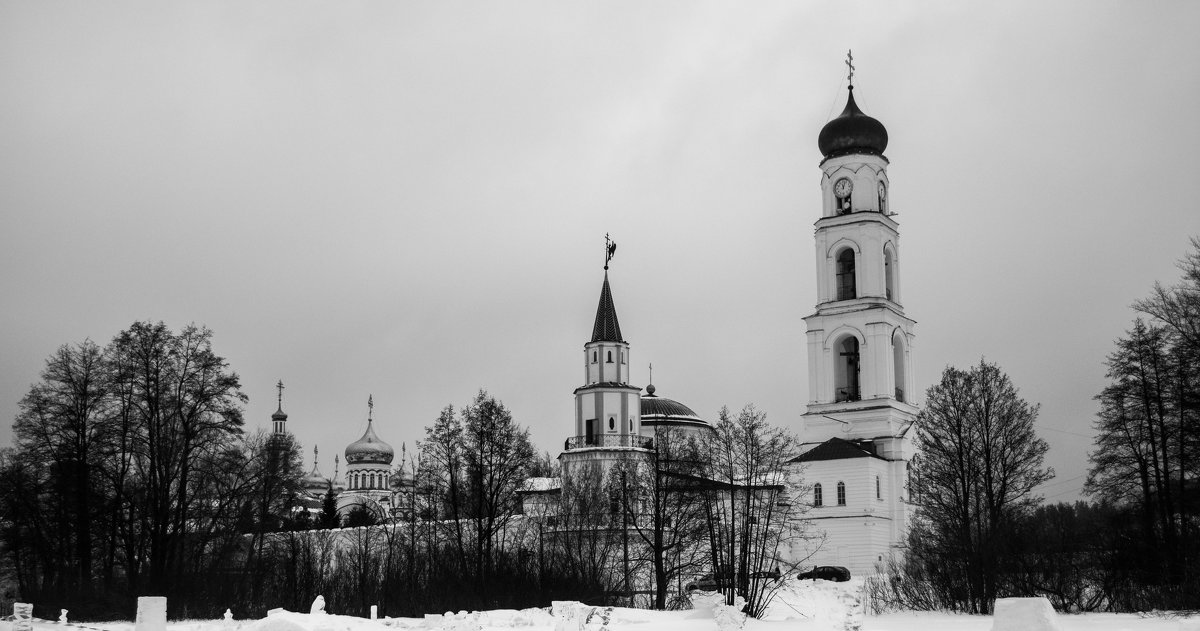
pixel 606 329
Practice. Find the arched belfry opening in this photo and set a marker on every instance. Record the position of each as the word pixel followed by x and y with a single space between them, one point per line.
pixel 846 286
pixel 900 376
pixel 846 369
pixel 889 272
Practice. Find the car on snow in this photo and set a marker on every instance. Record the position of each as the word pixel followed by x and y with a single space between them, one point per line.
pixel 834 573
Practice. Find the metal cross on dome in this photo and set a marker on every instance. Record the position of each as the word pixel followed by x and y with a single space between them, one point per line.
pixel 850 65
pixel 279 386
pixel 370 407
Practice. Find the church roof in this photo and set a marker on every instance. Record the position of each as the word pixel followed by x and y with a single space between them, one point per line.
pixel 606 329
pixel 658 410
pixel 835 449
pixel 369 449
pixel 852 132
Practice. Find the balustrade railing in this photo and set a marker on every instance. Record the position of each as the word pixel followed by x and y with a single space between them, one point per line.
pixel 607 440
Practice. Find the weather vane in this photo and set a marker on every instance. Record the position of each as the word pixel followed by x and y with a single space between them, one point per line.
pixel 279 386
pixel 610 248
pixel 850 65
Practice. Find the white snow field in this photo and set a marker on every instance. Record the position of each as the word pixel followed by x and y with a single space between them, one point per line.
pixel 802 606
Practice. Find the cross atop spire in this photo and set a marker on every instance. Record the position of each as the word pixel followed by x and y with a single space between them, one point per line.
pixel 850 65
pixel 314 457
pixel 370 407
pixel 279 386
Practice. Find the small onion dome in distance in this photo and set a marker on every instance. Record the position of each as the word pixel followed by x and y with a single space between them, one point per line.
pixel 314 482
pixel 369 449
pixel 663 412
pixel 852 132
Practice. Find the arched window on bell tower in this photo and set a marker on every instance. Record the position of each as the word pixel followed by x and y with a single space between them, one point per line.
pixel 846 370
pixel 846 286
pixel 889 272
pixel 898 372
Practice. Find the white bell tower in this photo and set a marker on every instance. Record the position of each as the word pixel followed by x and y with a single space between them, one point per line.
pixel 860 342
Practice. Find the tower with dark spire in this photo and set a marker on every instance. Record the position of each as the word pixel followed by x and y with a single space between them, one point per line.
pixel 607 407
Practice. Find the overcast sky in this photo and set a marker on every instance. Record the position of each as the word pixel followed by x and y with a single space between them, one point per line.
pixel 410 199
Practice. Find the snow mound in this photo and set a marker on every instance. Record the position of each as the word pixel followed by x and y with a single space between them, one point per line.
pixel 1024 614
pixel 292 621
pixel 826 605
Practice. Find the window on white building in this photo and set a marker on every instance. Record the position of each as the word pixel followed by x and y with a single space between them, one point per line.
pixel 846 289
pixel 878 489
pixel 841 491
pixel 817 494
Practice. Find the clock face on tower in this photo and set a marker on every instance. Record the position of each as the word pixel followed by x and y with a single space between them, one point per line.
pixel 842 188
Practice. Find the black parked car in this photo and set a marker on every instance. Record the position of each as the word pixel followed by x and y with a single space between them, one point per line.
pixel 834 573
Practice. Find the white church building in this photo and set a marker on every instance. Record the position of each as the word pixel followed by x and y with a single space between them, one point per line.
pixel 855 447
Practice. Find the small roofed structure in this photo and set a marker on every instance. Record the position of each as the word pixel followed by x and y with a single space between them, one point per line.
pixel 539 498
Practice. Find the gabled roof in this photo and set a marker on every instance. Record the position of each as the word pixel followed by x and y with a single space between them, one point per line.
pixel 835 449
pixel 606 329
pixel 540 485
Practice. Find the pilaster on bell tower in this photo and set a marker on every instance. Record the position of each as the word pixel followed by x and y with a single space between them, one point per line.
pixel 859 338
pixel 607 408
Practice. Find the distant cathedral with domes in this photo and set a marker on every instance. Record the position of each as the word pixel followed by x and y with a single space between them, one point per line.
pixel 855 432
pixel 369 482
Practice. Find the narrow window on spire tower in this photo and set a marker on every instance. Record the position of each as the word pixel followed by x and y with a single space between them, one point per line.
pixel 898 374
pixel 846 289
pixel 609 357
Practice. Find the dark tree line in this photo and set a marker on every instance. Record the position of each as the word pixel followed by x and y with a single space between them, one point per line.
pixel 129 472
pixel 1146 464
pixel 131 475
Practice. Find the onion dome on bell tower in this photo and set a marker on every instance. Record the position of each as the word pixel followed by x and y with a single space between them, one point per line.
pixel 852 132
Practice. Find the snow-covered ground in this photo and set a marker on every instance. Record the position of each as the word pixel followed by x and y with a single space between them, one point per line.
pixel 803 606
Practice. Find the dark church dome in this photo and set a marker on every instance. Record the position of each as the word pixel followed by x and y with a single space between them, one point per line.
pixel 658 410
pixel 852 132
